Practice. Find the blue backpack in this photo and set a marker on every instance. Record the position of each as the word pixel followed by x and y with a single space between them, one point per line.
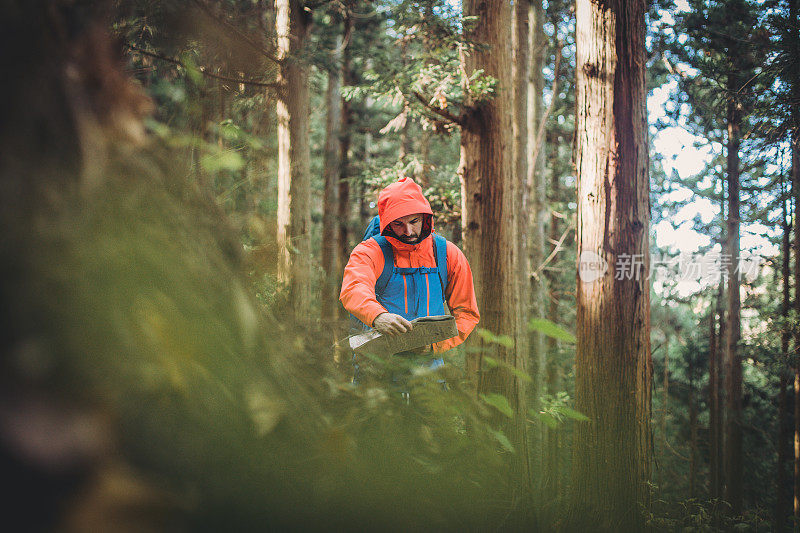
pixel 373 232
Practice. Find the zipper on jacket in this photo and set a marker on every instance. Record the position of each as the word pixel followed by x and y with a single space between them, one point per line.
pixel 405 292
pixel 428 291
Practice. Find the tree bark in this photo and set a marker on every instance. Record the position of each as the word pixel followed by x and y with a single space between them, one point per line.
pixel 294 206
pixel 535 187
pixel 795 148
pixel 520 73
pixel 716 389
pixel 665 406
pixel 553 471
pixel 331 172
pixel 692 430
pixel 713 405
pixel 344 151
pixel 529 84
pixel 491 218
pixel 796 194
pixel 611 461
pixel 733 362
pixel 782 495
pixel 520 69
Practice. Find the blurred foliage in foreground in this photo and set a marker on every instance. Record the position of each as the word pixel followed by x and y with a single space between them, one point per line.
pixel 143 385
pixel 128 302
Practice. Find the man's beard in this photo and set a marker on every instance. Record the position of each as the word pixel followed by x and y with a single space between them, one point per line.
pixel 409 239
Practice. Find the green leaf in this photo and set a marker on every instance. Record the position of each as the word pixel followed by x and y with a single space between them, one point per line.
pixel 551 329
pixel 548 419
pixel 192 71
pixel 502 340
pixel 224 160
pixel 519 373
pixel 572 413
pixel 503 440
pixel 490 362
pixel 230 131
pixel 499 402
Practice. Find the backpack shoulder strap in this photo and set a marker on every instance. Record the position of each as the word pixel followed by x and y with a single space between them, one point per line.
pixel 440 251
pixel 373 228
pixel 388 263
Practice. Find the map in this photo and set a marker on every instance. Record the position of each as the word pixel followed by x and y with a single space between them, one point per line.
pixel 426 330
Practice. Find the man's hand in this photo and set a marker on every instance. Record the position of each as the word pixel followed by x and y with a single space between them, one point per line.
pixel 391 324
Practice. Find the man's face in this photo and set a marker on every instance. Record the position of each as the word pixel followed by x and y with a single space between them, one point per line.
pixel 408 228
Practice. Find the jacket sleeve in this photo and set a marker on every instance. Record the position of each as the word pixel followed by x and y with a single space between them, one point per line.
pixel 358 283
pixel 460 296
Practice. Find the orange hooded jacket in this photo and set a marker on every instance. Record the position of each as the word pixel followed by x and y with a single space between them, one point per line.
pixel 402 198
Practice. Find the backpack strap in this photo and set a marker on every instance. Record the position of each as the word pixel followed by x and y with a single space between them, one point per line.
pixel 388 263
pixel 373 228
pixel 440 252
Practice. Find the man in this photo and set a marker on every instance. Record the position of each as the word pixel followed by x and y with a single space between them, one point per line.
pixel 413 288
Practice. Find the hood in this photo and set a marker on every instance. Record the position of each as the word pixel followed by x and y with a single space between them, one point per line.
pixel 401 198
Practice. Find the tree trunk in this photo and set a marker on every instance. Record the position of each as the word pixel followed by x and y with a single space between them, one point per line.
pixel 795 148
pixel 713 406
pixel 520 69
pixel 535 187
pixel 692 431
pixel 611 461
pixel 491 218
pixel 716 389
pixel 294 206
pixel 796 194
pixel 782 495
pixel 530 158
pixel 665 406
pixel 733 362
pixel 553 471
pixel 344 151
pixel 331 172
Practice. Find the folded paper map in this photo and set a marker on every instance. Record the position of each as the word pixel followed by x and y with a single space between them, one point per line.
pixel 426 330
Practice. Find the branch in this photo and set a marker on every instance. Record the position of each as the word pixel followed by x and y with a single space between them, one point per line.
pixel 674 69
pixel 557 249
pixel 441 112
pixel 203 71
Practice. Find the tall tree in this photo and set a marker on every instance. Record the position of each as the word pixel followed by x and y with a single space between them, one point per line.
pixel 717 314
pixel 344 145
pixel 490 212
pixel 529 85
pixel 795 147
pixel 789 73
pixel 716 375
pixel 783 497
pixel 331 172
pixel 292 23
pixel 552 469
pixel 613 361
pixel 733 361
pixel 724 44
pixel 796 190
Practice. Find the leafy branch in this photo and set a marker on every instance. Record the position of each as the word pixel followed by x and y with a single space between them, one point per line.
pixel 201 69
